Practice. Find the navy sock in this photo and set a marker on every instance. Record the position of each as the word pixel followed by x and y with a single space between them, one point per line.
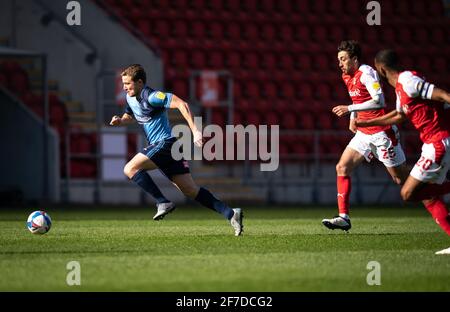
pixel 144 180
pixel 207 199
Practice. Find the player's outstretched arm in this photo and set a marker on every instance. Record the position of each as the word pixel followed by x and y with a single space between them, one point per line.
pixel 121 121
pixel 391 118
pixel 440 95
pixel 184 109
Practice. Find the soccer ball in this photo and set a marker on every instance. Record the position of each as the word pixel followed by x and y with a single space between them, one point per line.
pixel 39 222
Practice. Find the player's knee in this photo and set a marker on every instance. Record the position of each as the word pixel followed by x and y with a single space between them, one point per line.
pixel 129 170
pixel 406 194
pixel 342 169
pixel 190 192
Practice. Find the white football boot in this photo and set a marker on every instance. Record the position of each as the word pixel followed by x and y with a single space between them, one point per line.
pixel 337 223
pixel 163 209
pixel 443 252
pixel 236 221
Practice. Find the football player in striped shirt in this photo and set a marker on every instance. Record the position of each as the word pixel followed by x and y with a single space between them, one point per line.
pixel 149 108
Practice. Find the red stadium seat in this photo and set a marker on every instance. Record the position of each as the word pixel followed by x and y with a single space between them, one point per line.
pixel 288 90
pixel 180 88
pixel 233 31
pixel 270 90
pixel 253 118
pixel 198 30
pixel 198 59
pixel 162 28
pixel 269 61
pixel 440 64
pixel 179 58
pixel 286 61
pixel 306 120
pixel 271 118
pixel 251 31
pixel 303 62
pixel 143 25
pixel 251 89
pixel 19 83
pixel 323 92
pixel 302 33
pixel 180 29
pixel 324 121
pixel 289 121
pixel 216 60
pixel 286 33
pixel 404 35
pixel 216 30
pixel 306 90
pixel 251 60
pixel 233 60
pixel 321 62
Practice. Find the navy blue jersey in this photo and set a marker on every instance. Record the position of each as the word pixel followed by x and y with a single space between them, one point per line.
pixel 150 110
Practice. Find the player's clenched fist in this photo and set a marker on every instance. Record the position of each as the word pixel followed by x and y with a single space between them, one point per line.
pixel 115 121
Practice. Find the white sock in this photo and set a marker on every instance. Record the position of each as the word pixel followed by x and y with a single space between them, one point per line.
pixel 344 215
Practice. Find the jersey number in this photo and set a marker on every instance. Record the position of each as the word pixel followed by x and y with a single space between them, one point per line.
pixel 388 153
pixel 424 163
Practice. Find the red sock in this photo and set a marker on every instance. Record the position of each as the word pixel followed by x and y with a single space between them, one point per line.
pixel 440 214
pixel 432 190
pixel 344 187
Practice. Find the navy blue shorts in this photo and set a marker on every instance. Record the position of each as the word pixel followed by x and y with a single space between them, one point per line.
pixel 160 154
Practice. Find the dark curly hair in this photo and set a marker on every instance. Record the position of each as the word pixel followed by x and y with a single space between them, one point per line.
pixel 352 47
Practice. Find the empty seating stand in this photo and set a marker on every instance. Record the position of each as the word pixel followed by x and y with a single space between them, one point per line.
pixel 284 52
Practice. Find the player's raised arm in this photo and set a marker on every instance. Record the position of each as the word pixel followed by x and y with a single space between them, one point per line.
pixel 184 109
pixel 126 119
pixel 392 118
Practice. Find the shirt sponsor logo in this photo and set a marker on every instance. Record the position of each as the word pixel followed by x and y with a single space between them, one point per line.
pixel 354 93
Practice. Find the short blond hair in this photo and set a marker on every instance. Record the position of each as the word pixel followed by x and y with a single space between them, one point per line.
pixel 136 72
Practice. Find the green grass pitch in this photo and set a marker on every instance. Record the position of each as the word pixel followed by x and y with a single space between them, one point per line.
pixel 193 249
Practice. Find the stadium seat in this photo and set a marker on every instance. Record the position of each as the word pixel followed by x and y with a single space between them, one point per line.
pixel 162 29
pixel 289 121
pixel 251 60
pixel 253 118
pixel 288 90
pixel 286 61
pixel 270 90
pixel 306 90
pixel 233 31
pixel 271 118
pixel 286 33
pixel 303 62
pixel 198 60
pixel 180 88
pixel 216 31
pixel 306 120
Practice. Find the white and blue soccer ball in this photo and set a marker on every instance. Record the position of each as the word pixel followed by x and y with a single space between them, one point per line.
pixel 39 222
